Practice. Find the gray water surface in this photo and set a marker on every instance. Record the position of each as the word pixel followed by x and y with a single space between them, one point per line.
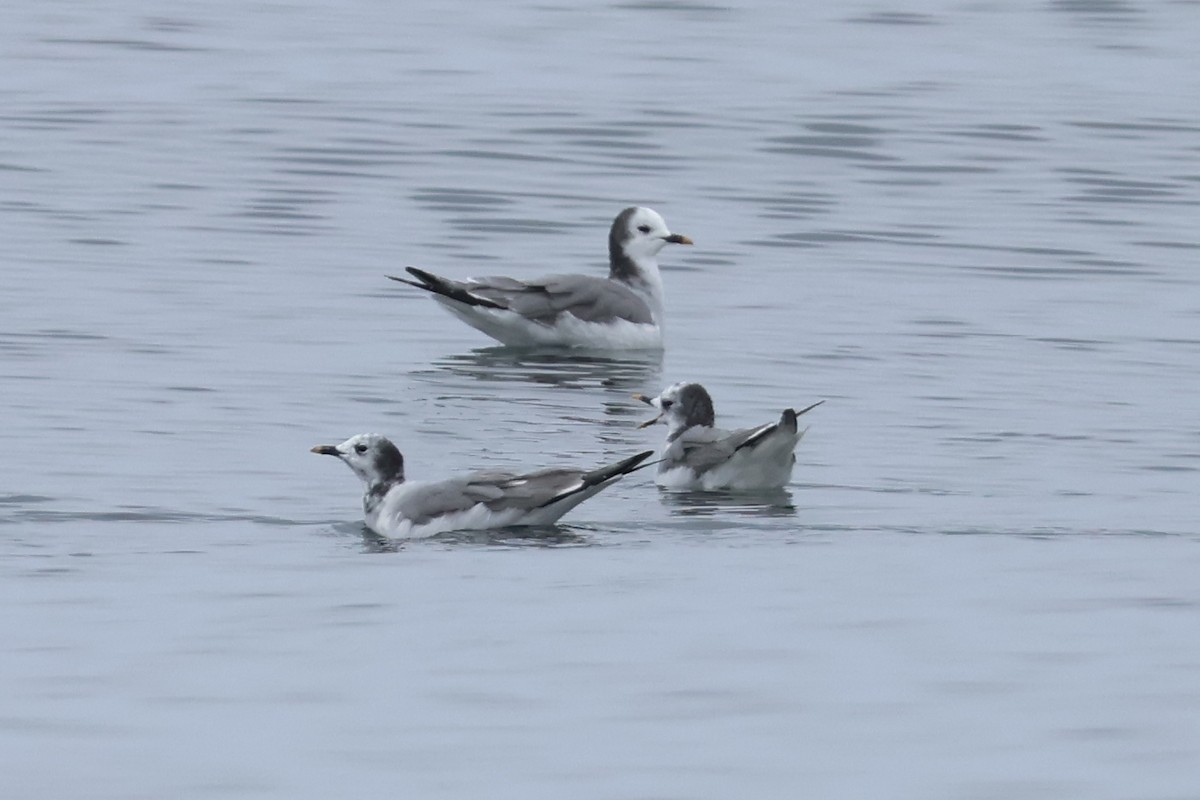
pixel 970 227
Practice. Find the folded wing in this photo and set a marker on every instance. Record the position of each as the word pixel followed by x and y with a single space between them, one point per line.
pixel 703 449
pixel 503 491
pixel 542 300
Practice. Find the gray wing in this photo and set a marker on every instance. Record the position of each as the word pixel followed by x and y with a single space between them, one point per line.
pixel 542 300
pixel 434 499
pixel 531 490
pixel 548 486
pixel 500 490
pixel 704 449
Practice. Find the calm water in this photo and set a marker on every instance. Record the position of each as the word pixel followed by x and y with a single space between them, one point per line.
pixel 970 227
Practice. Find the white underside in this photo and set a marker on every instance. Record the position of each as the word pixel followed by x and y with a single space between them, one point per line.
pixel 767 466
pixel 385 521
pixel 567 331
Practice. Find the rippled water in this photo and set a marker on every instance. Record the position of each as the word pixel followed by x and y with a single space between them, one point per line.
pixel 970 227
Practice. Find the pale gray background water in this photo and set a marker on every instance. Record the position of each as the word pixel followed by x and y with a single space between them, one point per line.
pixel 971 227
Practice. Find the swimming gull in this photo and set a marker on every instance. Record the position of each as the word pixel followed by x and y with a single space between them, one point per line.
pixel 400 509
pixel 622 311
pixel 698 455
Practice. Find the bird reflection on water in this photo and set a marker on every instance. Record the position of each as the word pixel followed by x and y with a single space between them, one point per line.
pixel 530 536
pixel 769 503
pixel 569 369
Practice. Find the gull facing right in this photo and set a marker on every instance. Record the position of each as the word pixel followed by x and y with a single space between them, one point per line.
pixel 400 509
pixel 622 311
pixel 698 455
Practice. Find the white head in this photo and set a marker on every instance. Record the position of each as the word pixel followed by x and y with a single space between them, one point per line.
pixel 636 236
pixel 681 406
pixel 372 457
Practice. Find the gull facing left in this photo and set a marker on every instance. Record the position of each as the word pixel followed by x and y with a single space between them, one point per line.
pixel 400 509
pixel 700 456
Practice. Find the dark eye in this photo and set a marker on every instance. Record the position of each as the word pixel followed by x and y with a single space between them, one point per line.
pixel 644 228
pixel 667 404
pixel 360 448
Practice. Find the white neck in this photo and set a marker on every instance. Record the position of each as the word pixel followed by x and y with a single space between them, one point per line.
pixel 649 285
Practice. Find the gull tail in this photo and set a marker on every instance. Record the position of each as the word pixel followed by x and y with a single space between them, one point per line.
pixel 787 424
pixel 602 475
pixel 788 420
pixel 439 285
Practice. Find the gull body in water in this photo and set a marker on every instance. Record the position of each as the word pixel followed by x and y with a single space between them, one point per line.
pixel 699 455
pixel 400 509
pixel 622 311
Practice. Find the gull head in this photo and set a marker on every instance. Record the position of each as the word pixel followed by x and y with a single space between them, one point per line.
pixel 680 406
pixel 372 457
pixel 637 235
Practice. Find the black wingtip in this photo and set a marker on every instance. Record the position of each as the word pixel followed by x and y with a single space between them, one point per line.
pixel 406 280
pixel 427 278
pixel 439 285
pixel 623 467
pixel 605 474
pixel 806 409
pixel 634 463
pixel 788 419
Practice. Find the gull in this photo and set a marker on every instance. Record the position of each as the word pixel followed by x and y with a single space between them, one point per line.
pixel 400 509
pixel 698 455
pixel 622 311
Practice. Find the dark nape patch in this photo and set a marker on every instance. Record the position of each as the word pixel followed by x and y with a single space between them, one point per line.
pixel 389 464
pixel 621 266
pixel 697 406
